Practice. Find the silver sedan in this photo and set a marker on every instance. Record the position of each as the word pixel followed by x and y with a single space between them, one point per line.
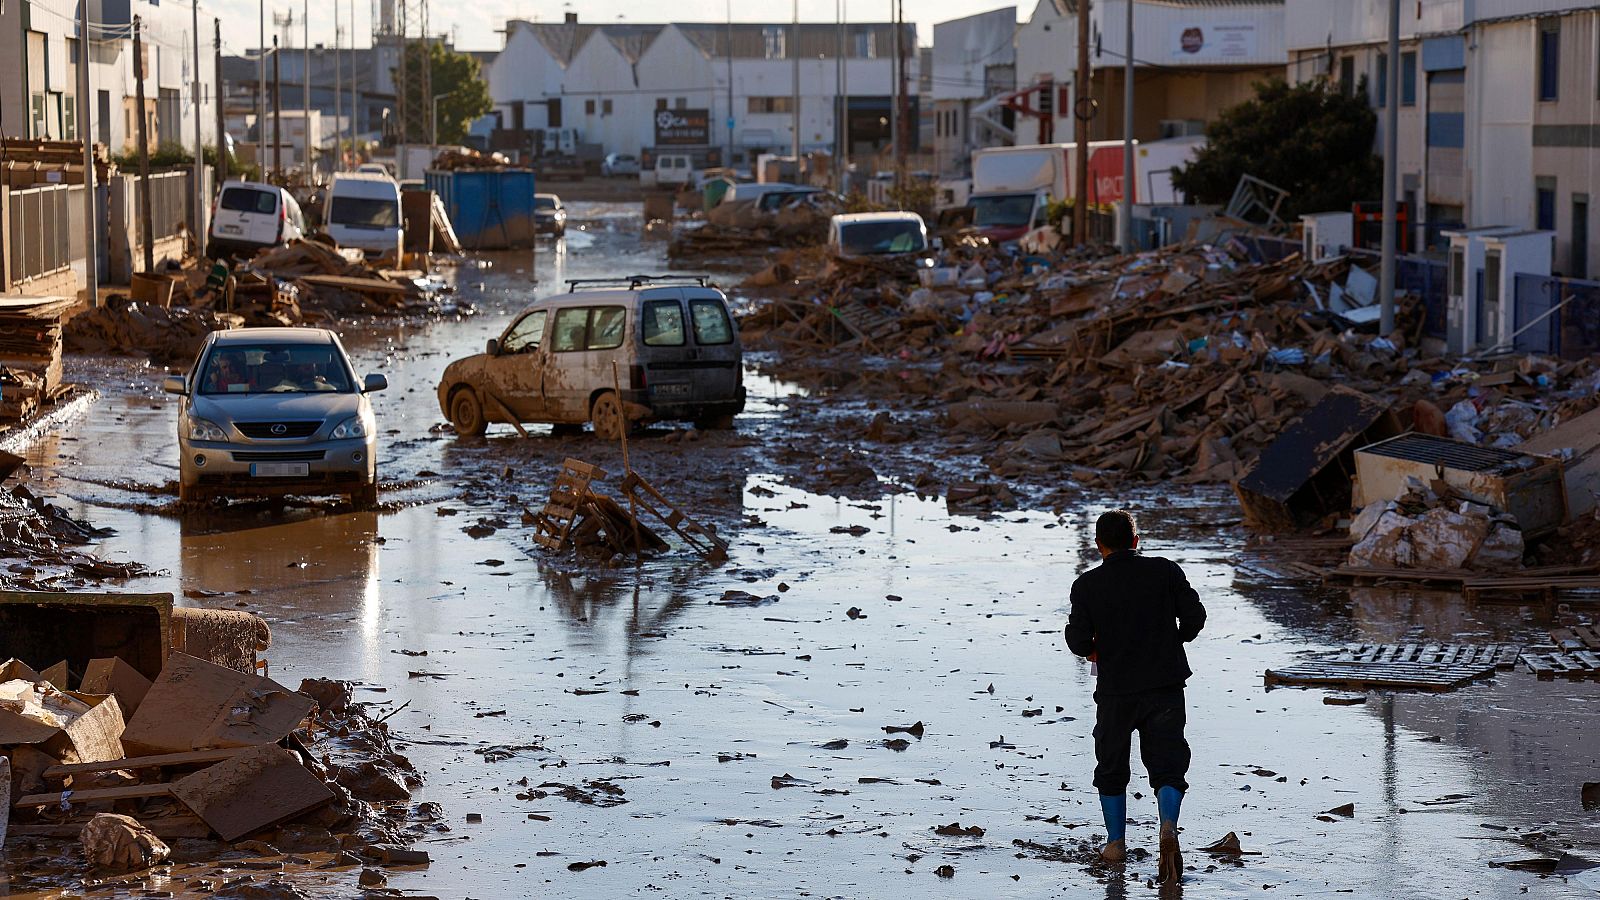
pixel 268 412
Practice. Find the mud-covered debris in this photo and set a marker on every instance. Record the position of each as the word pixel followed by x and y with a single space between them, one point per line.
pixel 855 612
pixel 787 781
pixel 945 871
pixel 955 829
pixel 1227 845
pixel 1348 810
pixel 897 744
pixel 372 878
pixel 1001 744
pixel 835 744
pixel 1591 795
pixel 393 855
pixel 580 866
pixel 915 729
pixel 121 844
pixel 1344 699
pixel 743 598
pixel 852 530
pixel 594 792
pixel 331 694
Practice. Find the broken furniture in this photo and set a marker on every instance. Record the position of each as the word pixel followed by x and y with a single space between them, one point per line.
pixel 1577 442
pixel 1528 488
pixel 1305 473
pixel 553 524
pixel 139 629
pixel 579 516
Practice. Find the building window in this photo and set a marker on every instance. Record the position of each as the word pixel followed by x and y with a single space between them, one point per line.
pixel 1347 76
pixel 69 116
pixel 588 107
pixel 867 44
pixel 1580 237
pixel 1549 58
pixel 605 107
pixel 680 103
pixel 1382 81
pixel 759 105
pixel 1544 204
pixel 661 103
pixel 1408 78
pixel 775 40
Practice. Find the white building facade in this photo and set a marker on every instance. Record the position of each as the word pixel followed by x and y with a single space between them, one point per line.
pixel 725 87
pixel 974 60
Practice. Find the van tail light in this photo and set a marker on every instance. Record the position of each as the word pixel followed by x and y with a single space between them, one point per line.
pixel 636 379
pixel 283 218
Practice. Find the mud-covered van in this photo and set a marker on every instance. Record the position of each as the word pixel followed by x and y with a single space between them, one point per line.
pixel 668 342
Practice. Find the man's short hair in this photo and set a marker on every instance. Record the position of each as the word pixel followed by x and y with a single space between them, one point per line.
pixel 1115 530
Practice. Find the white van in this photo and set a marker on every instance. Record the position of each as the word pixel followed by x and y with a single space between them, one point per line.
pixel 877 234
pixel 249 215
pixel 363 211
pixel 676 169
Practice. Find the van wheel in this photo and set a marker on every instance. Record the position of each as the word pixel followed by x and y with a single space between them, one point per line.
pixel 466 414
pixel 606 416
pixel 714 423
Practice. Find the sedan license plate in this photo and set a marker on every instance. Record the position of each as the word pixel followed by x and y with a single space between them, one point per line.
pixel 672 390
pixel 280 470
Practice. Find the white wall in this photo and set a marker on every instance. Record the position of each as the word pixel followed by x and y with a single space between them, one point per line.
pixel 964 48
pixel 1245 34
pixel 1500 91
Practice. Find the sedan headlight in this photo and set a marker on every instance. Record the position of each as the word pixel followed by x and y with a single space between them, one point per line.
pixel 205 430
pixel 352 427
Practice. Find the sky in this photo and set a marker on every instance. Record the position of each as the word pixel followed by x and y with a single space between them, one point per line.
pixel 475 24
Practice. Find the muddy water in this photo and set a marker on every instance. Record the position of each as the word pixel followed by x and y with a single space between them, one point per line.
pixel 747 744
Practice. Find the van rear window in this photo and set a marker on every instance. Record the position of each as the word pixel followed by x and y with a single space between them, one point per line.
pixel 250 200
pixel 364 212
pixel 711 324
pixel 663 324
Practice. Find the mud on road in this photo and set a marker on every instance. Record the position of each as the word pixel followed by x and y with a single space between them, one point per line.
pixel 701 743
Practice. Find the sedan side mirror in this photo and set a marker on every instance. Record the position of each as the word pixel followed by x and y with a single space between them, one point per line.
pixel 374 383
pixel 175 384
pixel 493 349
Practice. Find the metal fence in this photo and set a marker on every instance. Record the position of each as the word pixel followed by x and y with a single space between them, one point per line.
pixel 1557 316
pixel 45 230
pixel 1425 278
pixel 169 203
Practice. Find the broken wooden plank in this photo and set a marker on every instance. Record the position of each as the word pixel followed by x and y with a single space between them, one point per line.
pixel 115 677
pixel 196 705
pixel 254 790
pixel 189 758
pixel 93 795
pixel 1391 675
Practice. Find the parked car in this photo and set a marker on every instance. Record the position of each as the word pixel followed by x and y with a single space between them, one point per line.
pixel 275 411
pixel 364 212
pixel 374 168
pixel 616 164
pixel 560 168
pixel 412 184
pixel 879 233
pixel 675 169
pixel 250 215
pixel 671 339
pixel 772 201
pixel 549 216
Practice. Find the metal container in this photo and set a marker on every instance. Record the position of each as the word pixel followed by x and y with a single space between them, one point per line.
pixel 1528 488
pixel 491 209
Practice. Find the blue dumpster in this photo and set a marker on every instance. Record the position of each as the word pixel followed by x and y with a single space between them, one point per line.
pixel 490 209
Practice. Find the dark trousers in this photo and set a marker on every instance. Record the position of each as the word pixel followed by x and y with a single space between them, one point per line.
pixel 1158 717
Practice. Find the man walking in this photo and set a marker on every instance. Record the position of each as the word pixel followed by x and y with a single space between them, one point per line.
pixel 1131 615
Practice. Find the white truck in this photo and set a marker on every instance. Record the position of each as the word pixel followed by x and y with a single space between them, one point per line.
pixel 1012 185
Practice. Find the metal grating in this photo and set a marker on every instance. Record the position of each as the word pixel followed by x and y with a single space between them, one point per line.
pixel 264 430
pixel 1438 451
pixel 264 456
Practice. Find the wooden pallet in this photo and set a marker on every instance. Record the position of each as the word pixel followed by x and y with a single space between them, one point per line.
pixel 704 541
pixel 553 524
pixel 1501 656
pixel 1356 675
pixel 1578 637
pixel 1524 585
pixel 1572 665
pixel 868 324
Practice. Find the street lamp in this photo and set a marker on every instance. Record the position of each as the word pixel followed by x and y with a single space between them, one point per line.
pixel 434 131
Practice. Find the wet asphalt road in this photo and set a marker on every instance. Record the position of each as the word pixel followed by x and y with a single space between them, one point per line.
pixel 633 686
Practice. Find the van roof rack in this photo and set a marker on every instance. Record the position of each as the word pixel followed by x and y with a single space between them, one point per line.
pixel 634 282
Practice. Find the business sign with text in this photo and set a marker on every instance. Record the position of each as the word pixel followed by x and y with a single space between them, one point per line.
pixel 682 127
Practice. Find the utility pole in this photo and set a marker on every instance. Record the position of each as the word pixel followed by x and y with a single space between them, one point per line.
pixel 838 95
pixel 91 191
pixel 1082 111
pixel 277 117
pixel 844 96
pixel 794 55
pixel 198 221
pixel 730 84
pixel 146 225
pixel 305 89
pixel 902 143
pixel 338 99
pixel 261 86
pixel 1391 145
pixel 222 116
pixel 355 112
pixel 894 91
pixel 1129 185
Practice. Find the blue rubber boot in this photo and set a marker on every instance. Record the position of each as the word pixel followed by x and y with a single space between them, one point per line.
pixel 1115 810
pixel 1168 801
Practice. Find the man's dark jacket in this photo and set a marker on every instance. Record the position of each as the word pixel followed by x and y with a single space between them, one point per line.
pixel 1136 613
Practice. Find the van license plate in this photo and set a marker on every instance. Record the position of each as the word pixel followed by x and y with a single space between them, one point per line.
pixel 232 229
pixel 672 390
pixel 280 470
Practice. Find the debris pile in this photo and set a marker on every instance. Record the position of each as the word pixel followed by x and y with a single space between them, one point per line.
pixel 466 158
pixel 207 750
pixel 30 354
pixel 1424 530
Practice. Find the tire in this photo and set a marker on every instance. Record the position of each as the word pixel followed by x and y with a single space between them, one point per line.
pixel 715 423
pixel 466 413
pixel 607 417
pixel 365 498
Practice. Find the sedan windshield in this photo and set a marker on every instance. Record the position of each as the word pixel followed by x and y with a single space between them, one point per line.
pixel 881 237
pixel 275 369
pixel 1004 211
